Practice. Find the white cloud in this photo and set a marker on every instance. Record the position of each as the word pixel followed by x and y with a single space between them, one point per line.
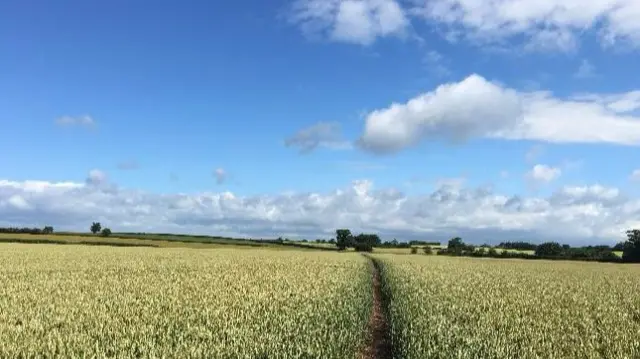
pixel 220 174
pixel 573 214
pixel 18 202
pixel 475 107
pixel 454 111
pixel 543 173
pixel 618 103
pixel 321 134
pixel 586 70
pixel 351 21
pixel 84 120
pixel 635 175
pixel 543 25
pixel 96 177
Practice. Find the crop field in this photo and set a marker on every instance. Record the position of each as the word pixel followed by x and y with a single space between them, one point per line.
pixel 242 302
pixel 442 307
pixel 98 302
pixel 144 240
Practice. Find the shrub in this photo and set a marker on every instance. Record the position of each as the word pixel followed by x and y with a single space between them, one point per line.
pixel 106 232
pixel 362 247
pixel 414 250
pixel 427 250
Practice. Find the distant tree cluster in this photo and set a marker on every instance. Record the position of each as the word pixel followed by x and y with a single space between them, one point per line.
pixel 552 250
pixel 619 247
pixel 631 248
pixel 97 227
pixel 521 246
pixel 27 230
pixel 457 247
pixel 362 242
pixel 395 244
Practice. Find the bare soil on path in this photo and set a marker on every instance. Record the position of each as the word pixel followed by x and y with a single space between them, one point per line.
pixel 379 345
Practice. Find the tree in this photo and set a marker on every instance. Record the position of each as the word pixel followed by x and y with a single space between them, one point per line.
pixel 619 246
pixel 427 250
pixel 631 252
pixel 414 250
pixel 549 249
pixel 47 230
pixel 95 227
pixel 456 246
pixel 106 232
pixel 343 238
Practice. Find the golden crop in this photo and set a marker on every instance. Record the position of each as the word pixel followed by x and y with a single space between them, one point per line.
pixel 99 302
pixel 445 307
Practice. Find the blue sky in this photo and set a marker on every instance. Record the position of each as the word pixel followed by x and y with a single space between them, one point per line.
pixel 172 92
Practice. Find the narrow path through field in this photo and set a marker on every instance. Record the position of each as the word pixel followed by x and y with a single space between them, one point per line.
pixel 379 346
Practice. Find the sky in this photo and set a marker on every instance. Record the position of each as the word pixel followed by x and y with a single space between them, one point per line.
pixel 494 120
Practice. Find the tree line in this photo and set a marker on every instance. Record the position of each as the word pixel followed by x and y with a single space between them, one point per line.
pixel 526 246
pixel 95 228
pixel 365 242
pixel 27 230
pixel 553 250
pixel 548 250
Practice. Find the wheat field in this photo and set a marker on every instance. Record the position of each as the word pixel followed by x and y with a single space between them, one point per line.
pixel 105 302
pixel 443 307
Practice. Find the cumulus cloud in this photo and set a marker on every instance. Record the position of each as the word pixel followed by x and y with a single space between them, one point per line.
pixel 635 175
pixel 574 214
pixel 96 177
pixel 543 174
pixel 84 120
pixel 351 21
pixel 454 111
pixel 618 103
pixel 220 174
pixel 321 134
pixel 476 107
pixel 543 25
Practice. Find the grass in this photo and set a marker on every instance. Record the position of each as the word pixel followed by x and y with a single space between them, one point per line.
pixel 82 301
pixel 445 307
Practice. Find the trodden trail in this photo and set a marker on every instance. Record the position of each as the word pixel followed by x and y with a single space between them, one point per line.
pixel 379 345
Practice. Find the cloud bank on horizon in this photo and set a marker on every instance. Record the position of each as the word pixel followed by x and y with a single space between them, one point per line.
pixel 465 107
pixel 577 212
